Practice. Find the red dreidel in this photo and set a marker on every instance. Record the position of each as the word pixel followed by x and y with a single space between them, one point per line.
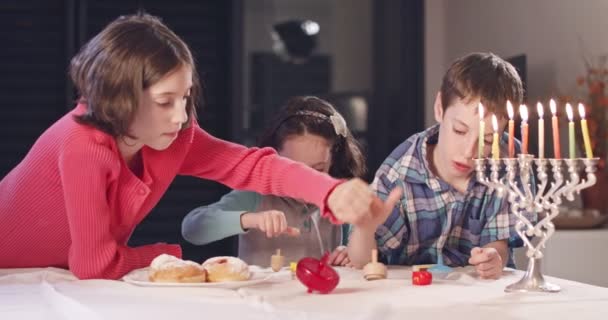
pixel 421 277
pixel 317 275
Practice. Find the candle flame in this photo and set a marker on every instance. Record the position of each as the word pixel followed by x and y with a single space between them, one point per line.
pixel 581 110
pixel 539 108
pixel 494 123
pixel 510 110
pixel 569 111
pixel 552 106
pixel 523 112
pixel 480 108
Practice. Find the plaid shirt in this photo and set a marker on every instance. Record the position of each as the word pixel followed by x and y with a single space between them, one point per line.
pixel 433 216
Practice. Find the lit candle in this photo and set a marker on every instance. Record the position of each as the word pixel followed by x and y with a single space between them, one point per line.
pixel 523 112
pixel 511 130
pixel 541 131
pixel 571 142
pixel 557 152
pixel 585 129
pixel 482 129
pixel 495 150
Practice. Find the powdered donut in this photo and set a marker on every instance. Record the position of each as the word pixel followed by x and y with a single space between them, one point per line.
pixel 167 268
pixel 221 269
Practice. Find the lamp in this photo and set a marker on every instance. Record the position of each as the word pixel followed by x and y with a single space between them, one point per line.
pixel 295 40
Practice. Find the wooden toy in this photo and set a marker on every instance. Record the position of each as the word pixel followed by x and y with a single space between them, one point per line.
pixel 374 270
pixel 277 261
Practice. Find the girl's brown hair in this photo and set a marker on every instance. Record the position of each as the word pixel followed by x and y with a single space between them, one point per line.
pixel 313 115
pixel 128 56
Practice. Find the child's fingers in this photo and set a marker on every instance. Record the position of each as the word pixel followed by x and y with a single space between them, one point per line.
pixel 479 255
pixel 346 262
pixel 292 232
pixel 282 224
pixel 339 254
pixel 268 225
pixel 392 200
pixel 276 224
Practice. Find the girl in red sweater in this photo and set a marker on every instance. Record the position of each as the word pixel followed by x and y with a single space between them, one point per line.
pixel 87 182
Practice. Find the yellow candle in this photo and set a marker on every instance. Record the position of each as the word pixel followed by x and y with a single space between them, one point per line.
pixel 541 131
pixel 495 150
pixel 571 142
pixel 511 130
pixel 523 112
pixel 482 129
pixel 585 129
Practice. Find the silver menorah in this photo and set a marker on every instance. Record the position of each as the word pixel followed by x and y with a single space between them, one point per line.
pixel 543 202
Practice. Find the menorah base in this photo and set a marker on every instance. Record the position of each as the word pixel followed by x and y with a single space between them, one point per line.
pixel 533 280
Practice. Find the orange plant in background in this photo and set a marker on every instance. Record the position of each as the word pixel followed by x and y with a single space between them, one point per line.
pixel 591 91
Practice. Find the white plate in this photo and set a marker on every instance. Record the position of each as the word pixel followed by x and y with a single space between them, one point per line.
pixel 140 277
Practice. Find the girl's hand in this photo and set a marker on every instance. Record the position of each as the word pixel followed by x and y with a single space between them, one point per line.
pixel 271 222
pixel 339 257
pixel 353 202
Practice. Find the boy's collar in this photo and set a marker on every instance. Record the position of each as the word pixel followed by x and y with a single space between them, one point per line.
pixel 419 170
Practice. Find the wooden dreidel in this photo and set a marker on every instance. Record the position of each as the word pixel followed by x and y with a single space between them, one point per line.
pixel 277 261
pixel 374 270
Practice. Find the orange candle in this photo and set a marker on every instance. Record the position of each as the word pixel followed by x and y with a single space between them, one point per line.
pixel 511 130
pixel 557 153
pixel 523 112
pixel 541 131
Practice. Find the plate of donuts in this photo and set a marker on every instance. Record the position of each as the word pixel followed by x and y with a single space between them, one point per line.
pixel 217 272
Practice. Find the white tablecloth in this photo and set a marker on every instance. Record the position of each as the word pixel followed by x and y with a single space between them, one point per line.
pixel 56 294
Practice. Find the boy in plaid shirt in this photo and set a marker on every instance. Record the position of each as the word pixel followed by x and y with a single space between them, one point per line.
pixel 443 209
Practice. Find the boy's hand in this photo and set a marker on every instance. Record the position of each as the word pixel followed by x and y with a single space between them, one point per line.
pixel 487 262
pixel 271 222
pixel 353 202
pixel 339 257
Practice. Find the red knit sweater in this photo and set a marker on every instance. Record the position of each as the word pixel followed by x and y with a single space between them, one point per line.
pixel 72 202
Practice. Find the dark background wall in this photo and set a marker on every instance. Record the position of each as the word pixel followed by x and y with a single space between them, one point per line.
pixel 39 37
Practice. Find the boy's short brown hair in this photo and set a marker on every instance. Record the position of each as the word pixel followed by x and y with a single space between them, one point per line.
pixel 485 76
pixel 127 56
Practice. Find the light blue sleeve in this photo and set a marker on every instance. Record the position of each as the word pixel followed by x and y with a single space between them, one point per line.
pixel 219 220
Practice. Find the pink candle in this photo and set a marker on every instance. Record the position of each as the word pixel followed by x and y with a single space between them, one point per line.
pixel 511 130
pixel 541 131
pixel 523 112
pixel 557 153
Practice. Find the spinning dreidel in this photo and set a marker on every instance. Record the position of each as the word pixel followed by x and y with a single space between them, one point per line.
pixel 374 270
pixel 317 275
pixel 277 261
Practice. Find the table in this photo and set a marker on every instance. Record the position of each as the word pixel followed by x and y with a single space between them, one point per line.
pixel 51 293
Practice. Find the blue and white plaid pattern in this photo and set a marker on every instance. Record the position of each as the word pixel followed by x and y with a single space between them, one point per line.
pixel 434 215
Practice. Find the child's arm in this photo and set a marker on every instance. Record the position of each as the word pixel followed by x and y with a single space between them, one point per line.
pixel 360 244
pixel 219 220
pixel 490 260
pixel 85 171
pixel 254 169
pixel 362 239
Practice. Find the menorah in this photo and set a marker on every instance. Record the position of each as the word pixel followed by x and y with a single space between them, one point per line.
pixel 544 201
